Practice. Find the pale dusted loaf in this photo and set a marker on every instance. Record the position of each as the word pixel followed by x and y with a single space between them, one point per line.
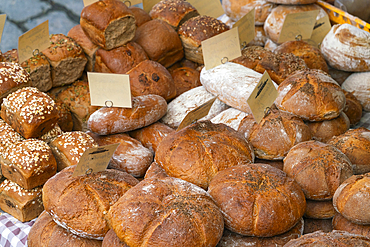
pixel 359 85
pixel 230 117
pixel 178 108
pixel 146 109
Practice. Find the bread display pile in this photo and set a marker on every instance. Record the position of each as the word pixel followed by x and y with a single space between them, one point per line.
pixel 223 180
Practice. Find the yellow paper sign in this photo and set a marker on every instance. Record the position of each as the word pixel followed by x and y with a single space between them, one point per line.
pixel 127 2
pixel 88 2
pixel 320 30
pixel 298 26
pixel 36 39
pixel 211 8
pixel 148 4
pixel 94 160
pixel 2 23
pixel 196 114
pixel 246 27
pixel 262 97
pixel 221 48
pixel 109 89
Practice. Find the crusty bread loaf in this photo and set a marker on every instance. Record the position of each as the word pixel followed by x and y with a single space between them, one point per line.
pixel 80 204
pixel 185 78
pixel 313 225
pixel 12 78
pixel 108 23
pixel 230 117
pixel 70 146
pixel 312 95
pixel 146 109
pixel 46 233
pixel 89 48
pixel 151 135
pixel 178 108
pixel 166 212
pixel 347 47
pixel 29 163
pixel 53 133
pixel 319 209
pixel 66 58
pixel 359 85
pixel 111 239
pixel 140 15
pixel 355 144
pixel 342 224
pixel 197 29
pixel 150 77
pixel 353 108
pixel 323 131
pixel 275 135
pixel 130 156
pixel 155 171
pixel 119 60
pixel 30 112
pixel 22 204
pixel 257 199
pixel 231 239
pixel 160 41
pixel 197 152
pixel 174 12
pixel 318 168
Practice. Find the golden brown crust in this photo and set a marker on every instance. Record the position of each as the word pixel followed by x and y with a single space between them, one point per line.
pixel 140 15
pixel 155 171
pixel 319 209
pixel 353 108
pixel 197 152
pixel 111 239
pixel 318 168
pixel 257 200
pixel 185 78
pixel 80 203
pixel 312 95
pixel 313 225
pixel 342 224
pixel 160 41
pixel 166 212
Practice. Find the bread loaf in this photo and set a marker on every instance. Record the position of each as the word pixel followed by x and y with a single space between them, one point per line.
pixel 318 168
pixel 111 239
pixel 230 117
pixel 53 133
pixel 66 58
pixel 155 171
pixel 22 204
pixel 145 110
pixel 166 212
pixel 185 78
pixel 160 41
pixel 8 137
pixel 353 108
pixel 257 199
pixel 197 152
pixel 339 75
pixel 342 224
pixel 80 204
pixel 140 15
pixel 319 209
pixel 70 146
pixel 130 156
pixel 29 163
pixel 30 112
pixel 359 85
pixel 355 144
pixel 269 44
pixel 347 47
pixel 313 225
pixel 108 23
pixel 45 232
pixel 65 120
pixel 312 95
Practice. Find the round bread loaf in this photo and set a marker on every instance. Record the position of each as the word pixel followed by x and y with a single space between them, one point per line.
pixel 359 85
pixel 140 15
pixel 312 95
pixel 310 54
pixel 46 233
pixel 351 199
pixel 318 168
pixel 257 199
pixel 353 108
pixel 80 204
pixel 330 239
pixel 313 225
pixel 275 134
pixel 319 209
pixel 197 152
pixel 347 48
pixel 194 31
pixel 236 9
pixel 355 144
pixel 111 240
pixel 166 212
pixel 323 131
pixel 230 117
pixel 185 78
pixel 155 171
pixel 342 224
pixel 231 239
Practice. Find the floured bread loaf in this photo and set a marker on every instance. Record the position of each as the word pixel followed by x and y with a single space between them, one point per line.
pixel 359 85
pixel 178 108
pixel 232 83
pixel 230 117
pixel 347 48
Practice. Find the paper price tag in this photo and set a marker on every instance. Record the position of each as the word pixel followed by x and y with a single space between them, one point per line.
pixel 2 24
pixel 262 97
pixel 298 24
pixel 88 2
pixel 211 8
pixel 246 27
pixel 94 160
pixel 109 89
pixel 148 4
pixel 33 40
pixel 196 114
pixel 224 45
pixel 320 30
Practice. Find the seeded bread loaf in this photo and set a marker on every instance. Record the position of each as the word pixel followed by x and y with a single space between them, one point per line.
pixel 8 137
